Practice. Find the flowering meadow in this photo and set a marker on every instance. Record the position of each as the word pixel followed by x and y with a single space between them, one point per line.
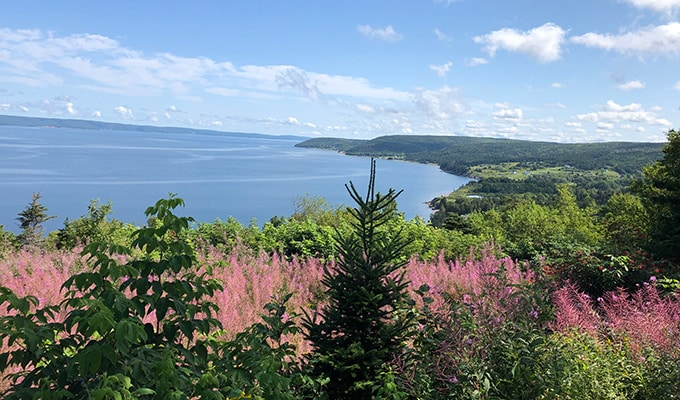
pixel 492 326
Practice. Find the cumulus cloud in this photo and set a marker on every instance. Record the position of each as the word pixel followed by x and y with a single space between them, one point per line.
pixel 71 109
pixel 442 70
pixel 661 6
pixel 630 113
pixel 631 85
pixel 514 114
pixel 124 112
pixel 662 39
pixel 387 34
pixel 96 114
pixel 557 85
pixel 543 43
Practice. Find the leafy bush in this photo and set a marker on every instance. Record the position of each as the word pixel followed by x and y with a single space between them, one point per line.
pixel 93 227
pixel 133 329
pixel 483 340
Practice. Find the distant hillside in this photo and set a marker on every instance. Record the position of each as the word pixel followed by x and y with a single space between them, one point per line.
pixel 457 154
pixel 12 120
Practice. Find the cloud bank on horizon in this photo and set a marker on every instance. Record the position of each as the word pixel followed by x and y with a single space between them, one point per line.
pixel 557 71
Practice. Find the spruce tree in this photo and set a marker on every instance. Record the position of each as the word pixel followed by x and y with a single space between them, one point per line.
pixel 366 321
pixel 30 221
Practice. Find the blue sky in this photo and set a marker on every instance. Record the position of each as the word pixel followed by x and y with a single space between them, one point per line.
pixel 566 71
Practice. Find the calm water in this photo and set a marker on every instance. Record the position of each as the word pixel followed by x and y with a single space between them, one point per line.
pixel 217 175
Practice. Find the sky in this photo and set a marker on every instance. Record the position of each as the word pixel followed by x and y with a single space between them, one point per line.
pixel 560 71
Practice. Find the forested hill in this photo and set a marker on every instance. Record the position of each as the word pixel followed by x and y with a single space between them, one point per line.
pixel 457 154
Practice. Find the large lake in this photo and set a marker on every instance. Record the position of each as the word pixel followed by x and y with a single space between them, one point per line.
pixel 217 175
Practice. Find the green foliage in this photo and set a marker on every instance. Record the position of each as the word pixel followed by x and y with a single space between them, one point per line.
pixel 660 192
pixel 305 238
pixel 131 330
pixel 529 231
pixel 93 227
pixel 582 367
pixel 317 209
pixel 625 222
pixel 259 363
pixel 8 241
pixel 367 319
pixel 228 234
pixel 30 222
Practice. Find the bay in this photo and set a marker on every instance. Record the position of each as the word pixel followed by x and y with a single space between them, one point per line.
pixel 219 176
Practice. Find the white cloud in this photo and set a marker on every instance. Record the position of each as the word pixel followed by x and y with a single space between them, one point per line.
pixel 557 85
pixel 475 61
pixel 96 114
pixel 662 6
pixel 442 70
pixel 443 103
pixel 513 114
pixel 631 113
pixel 658 39
pixel 387 34
pixel 365 108
pixel 70 109
pixel 543 43
pixel 677 85
pixel 573 124
pixel 632 85
pixel 124 112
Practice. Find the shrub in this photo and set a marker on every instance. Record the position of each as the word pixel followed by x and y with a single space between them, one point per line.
pixel 132 329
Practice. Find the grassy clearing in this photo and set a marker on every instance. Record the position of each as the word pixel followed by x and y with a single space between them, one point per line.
pixel 521 171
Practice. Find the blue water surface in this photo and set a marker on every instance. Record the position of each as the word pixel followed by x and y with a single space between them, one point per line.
pixel 248 178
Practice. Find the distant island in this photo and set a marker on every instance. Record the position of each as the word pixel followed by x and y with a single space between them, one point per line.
pixel 38 122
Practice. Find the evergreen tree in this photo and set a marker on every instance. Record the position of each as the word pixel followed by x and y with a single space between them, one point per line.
pixel 30 221
pixel 366 322
pixel 660 192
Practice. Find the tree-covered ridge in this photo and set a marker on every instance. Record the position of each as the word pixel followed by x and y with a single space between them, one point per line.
pixel 457 154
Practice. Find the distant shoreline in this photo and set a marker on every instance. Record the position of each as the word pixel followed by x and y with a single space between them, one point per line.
pixel 40 122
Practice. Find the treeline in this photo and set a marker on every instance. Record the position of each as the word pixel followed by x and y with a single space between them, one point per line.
pixel 457 154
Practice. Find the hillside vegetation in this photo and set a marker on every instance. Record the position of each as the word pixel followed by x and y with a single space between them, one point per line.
pixel 509 170
pixel 525 300
pixel 457 155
